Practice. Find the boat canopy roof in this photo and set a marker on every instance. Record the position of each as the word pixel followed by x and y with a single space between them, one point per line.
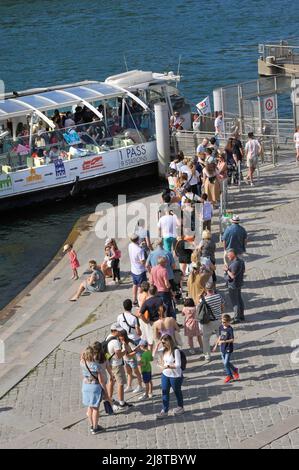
pixel 59 97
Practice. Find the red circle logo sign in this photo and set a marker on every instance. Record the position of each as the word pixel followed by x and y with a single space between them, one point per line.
pixel 269 104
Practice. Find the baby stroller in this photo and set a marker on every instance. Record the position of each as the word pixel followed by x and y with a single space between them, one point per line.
pixel 177 287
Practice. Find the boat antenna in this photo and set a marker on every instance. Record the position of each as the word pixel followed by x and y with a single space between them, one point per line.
pixel 125 60
pixel 179 67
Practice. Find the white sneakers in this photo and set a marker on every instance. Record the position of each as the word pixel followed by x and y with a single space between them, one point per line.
pixel 136 390
pixel 144 396
pixel 178 411
pixel 164 414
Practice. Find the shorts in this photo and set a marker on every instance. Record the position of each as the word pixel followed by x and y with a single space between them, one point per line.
pixel 168 243
pixel 146 377
pixel 119 375
pixel 138 279
pixel 132 363
pixel 252 162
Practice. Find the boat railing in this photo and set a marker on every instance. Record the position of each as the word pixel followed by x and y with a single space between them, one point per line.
pixel 79 140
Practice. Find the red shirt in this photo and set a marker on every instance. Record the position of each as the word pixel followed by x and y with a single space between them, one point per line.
pixel 160 278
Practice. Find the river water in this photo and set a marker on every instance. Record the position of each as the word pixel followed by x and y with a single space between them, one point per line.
pixel 48 42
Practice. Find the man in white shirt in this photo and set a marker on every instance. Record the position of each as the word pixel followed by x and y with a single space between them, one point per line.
pixel 167 226
pixel 252 152
pixel 129 322
pixel 219 124
pixel 138 270
pixel 296 141
pixel 116 367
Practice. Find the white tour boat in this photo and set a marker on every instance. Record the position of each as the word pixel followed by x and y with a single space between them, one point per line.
pixel 58 141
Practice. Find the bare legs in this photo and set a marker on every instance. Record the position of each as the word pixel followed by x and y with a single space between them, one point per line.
pixel 93 417
pixel 78 293
pixel 190 341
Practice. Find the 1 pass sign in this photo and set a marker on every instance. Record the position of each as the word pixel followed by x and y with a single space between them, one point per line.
pixel 269 107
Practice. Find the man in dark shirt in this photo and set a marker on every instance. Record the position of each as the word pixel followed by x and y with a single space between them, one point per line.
pixel 234 274
pixel 151 305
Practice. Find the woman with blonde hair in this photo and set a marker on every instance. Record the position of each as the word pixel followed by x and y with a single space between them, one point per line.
pixel 171 377
pixel 93 387
pixel 197 280
pixel 211 182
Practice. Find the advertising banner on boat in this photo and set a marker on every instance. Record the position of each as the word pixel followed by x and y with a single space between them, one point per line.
pixel 137 155
pixel 6 185
pixel 66 171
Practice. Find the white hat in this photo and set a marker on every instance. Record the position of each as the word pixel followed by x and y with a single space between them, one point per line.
pixel 235 219
pixel 66 247
pixel 107 241
pixel 116 327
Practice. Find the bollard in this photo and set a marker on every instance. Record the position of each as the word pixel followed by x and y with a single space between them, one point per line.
pixel 163 138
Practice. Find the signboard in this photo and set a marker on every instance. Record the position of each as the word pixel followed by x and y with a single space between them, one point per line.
pixel 269 107
pixel 132 156
pixel 93 163
pixel 59 168
pixel 5 184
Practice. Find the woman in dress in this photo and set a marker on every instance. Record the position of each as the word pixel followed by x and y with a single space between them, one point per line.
pixel 191 325
pixel 197 281
pixel 93 387
pixel 211 183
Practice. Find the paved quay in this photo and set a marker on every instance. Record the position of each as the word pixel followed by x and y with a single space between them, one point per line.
pixel 40 384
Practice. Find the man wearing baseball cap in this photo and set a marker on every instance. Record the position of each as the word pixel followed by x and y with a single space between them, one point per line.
pixel 116 363
pixel 235 237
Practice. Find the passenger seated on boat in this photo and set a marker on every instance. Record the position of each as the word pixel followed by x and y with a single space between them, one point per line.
pixel 76 152
pixel 54 154
pixel 68 122
pixel 57 119
pixel 78 115
pixel 39 141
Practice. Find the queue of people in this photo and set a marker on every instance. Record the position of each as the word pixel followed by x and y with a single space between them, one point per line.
pixel 172 271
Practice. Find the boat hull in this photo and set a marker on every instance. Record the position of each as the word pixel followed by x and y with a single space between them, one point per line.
pixel 75 189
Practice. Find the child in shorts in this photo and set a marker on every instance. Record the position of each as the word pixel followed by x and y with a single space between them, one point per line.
pixel 146 369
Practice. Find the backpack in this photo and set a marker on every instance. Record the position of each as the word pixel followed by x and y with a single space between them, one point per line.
pixel 105 347
pixel 204 313
pixel 183 359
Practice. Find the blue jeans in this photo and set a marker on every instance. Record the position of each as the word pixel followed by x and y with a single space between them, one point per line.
pixel 228 366
pixel 169 303
pixel 237 303
pixel 176 385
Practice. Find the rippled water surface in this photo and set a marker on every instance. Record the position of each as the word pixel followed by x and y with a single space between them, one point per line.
pixel 47 42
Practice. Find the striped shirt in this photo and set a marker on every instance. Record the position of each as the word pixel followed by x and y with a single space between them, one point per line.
pixel 215 301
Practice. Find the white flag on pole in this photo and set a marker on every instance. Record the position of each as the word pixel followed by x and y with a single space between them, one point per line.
pixel 204 106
